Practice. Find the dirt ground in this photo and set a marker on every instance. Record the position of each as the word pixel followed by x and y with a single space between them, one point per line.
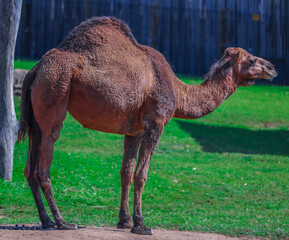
pixel 109 233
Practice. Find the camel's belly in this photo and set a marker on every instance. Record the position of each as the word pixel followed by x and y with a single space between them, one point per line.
pixel 104 114
pixel 105 121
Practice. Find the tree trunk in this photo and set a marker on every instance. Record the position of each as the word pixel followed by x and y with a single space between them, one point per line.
pixel 10 11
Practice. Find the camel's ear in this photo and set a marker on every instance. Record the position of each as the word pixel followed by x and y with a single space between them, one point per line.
pixel 231 51
pixel 228 52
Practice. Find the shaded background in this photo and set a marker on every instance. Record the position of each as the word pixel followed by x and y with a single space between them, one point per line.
pixel 192 34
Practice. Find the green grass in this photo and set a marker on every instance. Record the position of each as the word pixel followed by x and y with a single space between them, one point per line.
pixel 225 173
pixel 28 64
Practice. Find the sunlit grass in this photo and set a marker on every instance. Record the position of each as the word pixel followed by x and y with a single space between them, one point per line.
pixel 28 64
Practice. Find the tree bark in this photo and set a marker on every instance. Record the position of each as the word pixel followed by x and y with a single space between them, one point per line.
pixel 10 11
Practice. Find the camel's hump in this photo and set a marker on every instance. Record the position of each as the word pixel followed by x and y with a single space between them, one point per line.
pixel 86 29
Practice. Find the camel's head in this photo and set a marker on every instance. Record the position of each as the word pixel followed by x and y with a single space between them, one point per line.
pixel 248 68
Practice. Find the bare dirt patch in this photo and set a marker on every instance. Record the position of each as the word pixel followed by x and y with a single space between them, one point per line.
pixel 99 233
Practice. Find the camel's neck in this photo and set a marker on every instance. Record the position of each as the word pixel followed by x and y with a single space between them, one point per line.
pixel 195 101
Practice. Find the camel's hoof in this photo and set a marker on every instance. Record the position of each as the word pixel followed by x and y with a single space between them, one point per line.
pixel 66 226
pixel 127 224
pixel 49 224
pixel 142 230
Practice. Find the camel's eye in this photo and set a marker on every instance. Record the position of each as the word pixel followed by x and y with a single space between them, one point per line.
pixel 251 61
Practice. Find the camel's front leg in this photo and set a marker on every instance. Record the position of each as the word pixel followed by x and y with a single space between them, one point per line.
pixel 131 145
pixel 149 142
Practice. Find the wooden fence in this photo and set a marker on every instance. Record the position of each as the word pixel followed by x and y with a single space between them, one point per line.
pixel 192 34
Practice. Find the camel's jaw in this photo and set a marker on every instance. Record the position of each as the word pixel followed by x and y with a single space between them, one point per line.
pixel 267 74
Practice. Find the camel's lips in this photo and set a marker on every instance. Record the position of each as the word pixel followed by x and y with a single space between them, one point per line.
pixel 271 74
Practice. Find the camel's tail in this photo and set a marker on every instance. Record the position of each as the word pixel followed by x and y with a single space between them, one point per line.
pixel 27 120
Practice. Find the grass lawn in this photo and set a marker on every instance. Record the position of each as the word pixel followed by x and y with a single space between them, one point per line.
pixel 24 64
pixel 225 173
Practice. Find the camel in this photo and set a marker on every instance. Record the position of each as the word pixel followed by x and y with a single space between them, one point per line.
pixel 108 82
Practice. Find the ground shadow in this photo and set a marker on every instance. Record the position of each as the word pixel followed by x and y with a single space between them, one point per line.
pixel 228 139
pixel 29 227
pixel 22 227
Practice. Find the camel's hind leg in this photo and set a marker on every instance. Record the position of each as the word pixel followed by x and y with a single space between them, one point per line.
pixel 32 160
pixel 49 114
pixel 131 145
pixel 43 175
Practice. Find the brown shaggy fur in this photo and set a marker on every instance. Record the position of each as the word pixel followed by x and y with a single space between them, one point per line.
pixel 110 83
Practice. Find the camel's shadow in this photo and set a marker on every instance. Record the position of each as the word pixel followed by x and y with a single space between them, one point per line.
pixel 30 227
pixel 228 139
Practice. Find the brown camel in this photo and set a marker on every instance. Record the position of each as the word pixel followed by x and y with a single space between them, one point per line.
pixel 108 82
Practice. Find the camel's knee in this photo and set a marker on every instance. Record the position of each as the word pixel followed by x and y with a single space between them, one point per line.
pixel 127 168
pixel 126 172
pixel 140 180
pixel 55 132
pixel 126 175
pixel 45 184
pixel 42 179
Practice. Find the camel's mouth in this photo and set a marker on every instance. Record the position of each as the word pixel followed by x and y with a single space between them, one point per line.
pixel 270 75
